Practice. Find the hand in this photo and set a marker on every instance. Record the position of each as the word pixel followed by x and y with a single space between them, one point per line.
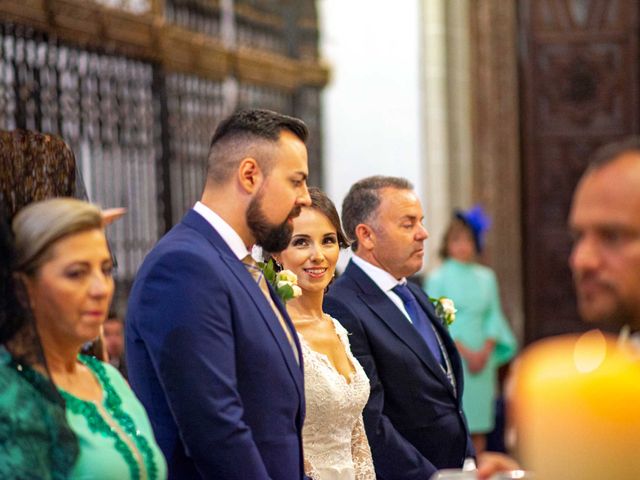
pixel 468 356
pixel 110 215
pixel 494 462
pixel 476 360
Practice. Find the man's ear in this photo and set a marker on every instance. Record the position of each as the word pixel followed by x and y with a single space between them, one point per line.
pixel 366 236
pixel 249 174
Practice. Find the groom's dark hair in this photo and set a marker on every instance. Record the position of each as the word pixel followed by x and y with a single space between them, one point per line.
pixel 249 133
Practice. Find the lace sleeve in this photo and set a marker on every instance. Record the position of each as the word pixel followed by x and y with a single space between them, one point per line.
pixel 310 471
pixel 361 452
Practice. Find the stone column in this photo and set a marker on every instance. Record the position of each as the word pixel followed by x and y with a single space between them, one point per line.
pixel 459 99
pixel 435 123
pixel 446 114
pixel 496 145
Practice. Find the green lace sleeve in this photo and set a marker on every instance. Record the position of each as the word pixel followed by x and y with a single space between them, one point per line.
pixel 35 439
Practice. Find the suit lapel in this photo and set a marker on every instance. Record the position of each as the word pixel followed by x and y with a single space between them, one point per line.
pixel 245 279
pixel 267 315
pixel 447 342
pixel 382 306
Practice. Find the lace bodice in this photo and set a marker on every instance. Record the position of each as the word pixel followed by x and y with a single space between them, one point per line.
pixel 335 443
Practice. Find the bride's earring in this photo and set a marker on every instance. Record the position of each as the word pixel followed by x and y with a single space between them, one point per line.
pixel 277 265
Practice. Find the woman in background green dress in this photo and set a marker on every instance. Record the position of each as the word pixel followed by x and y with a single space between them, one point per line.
pixel 64 415
pixel 481 332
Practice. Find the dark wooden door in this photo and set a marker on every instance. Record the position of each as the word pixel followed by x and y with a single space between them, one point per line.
pixel 579 90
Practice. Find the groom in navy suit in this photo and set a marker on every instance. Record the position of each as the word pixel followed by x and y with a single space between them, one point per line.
pixel 212 356
pixel 414 418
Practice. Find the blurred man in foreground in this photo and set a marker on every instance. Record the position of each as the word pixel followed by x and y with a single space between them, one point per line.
pixel 605 223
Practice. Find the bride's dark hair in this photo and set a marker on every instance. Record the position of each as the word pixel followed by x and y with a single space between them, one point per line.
pixel 323 204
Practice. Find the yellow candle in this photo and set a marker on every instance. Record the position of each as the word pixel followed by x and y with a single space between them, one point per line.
pixel 576 409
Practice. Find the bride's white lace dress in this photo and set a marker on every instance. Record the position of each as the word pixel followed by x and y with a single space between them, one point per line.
pixel 335 443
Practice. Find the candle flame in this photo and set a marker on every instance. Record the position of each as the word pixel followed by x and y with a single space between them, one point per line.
pixel 590 351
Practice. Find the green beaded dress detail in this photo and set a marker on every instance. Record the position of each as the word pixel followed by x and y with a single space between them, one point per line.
pixel 122 423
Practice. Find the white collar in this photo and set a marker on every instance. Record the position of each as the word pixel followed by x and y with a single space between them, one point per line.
pixel 626 337
pixel 228 234
pixel 383 279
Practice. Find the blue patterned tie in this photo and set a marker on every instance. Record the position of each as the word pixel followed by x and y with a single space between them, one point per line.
pixel 420 320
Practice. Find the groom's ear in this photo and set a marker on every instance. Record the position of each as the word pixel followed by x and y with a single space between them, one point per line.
pixel 249 175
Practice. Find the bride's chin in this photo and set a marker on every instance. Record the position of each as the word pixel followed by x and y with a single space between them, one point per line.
pixel 315 287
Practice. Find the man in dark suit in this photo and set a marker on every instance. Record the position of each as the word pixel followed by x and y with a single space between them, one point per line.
pixel 212 356
pixel 414 418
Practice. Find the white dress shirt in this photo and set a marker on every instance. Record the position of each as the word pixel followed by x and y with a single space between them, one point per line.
pixel 228 234
pixel 384 280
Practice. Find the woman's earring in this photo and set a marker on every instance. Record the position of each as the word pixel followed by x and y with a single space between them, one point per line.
pixel 277 265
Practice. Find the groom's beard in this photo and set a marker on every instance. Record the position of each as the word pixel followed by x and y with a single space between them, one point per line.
pixel 272 238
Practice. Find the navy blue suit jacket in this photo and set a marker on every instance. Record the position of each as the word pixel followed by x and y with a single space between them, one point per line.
pixel 414 420
pixel 211 364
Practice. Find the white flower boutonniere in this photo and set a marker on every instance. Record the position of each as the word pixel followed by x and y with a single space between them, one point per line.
pixel 445 309
pixel 285 282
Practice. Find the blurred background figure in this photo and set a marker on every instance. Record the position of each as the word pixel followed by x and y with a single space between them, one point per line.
pixel 113 335
pixel 62 270
pixel 482 335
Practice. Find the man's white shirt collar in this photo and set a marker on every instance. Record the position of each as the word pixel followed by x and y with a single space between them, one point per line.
pixel 385 282
pixel 228 234
pixel 383 279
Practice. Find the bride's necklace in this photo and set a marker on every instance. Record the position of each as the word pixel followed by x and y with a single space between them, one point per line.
pixel 307 319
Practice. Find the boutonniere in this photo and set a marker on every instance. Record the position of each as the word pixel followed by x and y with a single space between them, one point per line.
pixel 445 309
pixel 284 282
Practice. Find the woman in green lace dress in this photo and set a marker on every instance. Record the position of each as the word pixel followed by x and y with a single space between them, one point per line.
pixel 63 268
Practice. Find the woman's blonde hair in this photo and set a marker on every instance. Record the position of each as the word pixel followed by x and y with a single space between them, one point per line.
pixel 40 225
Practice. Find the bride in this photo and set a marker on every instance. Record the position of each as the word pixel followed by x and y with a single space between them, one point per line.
pixel 336 386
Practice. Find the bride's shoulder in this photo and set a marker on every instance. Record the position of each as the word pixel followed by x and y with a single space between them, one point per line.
pixel 338 326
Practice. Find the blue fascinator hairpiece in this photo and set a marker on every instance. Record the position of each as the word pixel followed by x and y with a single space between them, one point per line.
pixel 478 221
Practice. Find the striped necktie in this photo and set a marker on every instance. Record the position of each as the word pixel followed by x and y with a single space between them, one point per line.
pixel 426 330
pixel 258 276
pixel 420 320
